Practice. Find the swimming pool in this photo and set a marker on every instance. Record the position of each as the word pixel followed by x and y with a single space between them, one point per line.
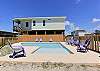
pixel 48 47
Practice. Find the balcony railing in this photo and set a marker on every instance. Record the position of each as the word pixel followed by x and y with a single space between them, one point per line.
pixel 17 28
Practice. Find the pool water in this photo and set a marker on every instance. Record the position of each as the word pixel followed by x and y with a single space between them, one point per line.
pixel 52 48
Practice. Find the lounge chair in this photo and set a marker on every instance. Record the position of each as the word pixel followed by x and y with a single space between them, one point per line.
pixel 68 41
pixel 76 42
pixel 72 41
pixel 40 39
pixel 36 40
pixel 83 47
pixel 50 40
pixel 18 51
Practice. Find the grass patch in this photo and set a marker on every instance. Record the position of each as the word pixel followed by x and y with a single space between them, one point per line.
pixel 5 50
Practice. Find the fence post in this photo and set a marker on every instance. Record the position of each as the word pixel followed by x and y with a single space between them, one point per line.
pixel 92 42
pixel 2 42
pixel 97 43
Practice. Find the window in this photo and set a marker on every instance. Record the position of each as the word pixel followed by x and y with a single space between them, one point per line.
pixel 18 22
pixel 43 22
pixel 26 24
pixel 49 19
pixel 33 23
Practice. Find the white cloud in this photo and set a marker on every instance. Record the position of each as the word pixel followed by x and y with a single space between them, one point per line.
pixel 77 28
pixel 78 1
pixel 67 23
pixel 70 26
pixel 97 27
pixel 95 20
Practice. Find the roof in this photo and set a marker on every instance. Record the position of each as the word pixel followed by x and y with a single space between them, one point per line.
pixel 32 18
pixel 80 31
pixel 5 33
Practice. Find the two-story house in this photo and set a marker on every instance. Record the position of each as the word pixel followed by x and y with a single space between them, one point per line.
pixel 50 27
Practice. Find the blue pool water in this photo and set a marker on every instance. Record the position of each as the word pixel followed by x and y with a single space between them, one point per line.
pixel 47 47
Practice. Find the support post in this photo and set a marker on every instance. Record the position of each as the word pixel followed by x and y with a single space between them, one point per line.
pixel 27 32
pixel 13 25
pixel 45 32
pixel 54 32
pixel 36 32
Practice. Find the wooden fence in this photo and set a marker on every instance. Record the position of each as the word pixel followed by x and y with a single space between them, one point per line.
pixel 31 38
pixel 3 40
pixel 94 45
pixel 45 38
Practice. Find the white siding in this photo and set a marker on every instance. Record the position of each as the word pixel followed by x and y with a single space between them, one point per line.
pixel 23 25
pixel 51 23
pixel 81 33
pixel 49 26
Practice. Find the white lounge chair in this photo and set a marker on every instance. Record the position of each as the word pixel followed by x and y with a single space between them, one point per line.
pixel 40 39
pixel 83 47
pixel 50 40
pixel 36 40
pixel 18 50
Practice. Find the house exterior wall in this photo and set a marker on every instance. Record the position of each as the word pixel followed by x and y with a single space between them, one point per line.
pixel 78 33
pixel 81 33
pixel 23 25
pixel 49 26
pixel 51 23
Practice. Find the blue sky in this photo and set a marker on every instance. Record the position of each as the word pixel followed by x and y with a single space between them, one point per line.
pixel 82 14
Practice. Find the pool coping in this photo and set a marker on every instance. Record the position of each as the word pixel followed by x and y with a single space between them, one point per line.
pixel 66 48
pixel 90 57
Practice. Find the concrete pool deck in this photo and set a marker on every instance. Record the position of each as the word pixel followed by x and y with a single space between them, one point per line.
pixel 77 57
